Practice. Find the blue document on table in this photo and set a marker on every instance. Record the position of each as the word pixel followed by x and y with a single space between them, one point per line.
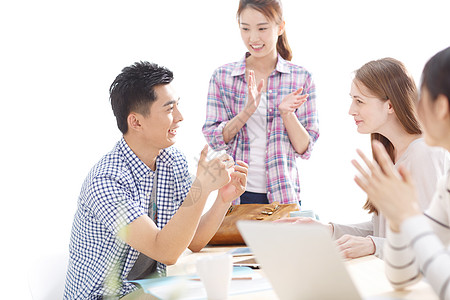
pixel 240 251
pixel 190 288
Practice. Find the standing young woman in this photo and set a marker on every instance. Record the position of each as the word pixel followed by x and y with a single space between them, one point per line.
pixel 262 108
pixel 417 243
pixel 383 105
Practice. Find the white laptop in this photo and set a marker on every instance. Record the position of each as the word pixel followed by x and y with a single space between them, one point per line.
pixel 301 262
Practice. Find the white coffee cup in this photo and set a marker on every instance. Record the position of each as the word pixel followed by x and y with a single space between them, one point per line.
pixel 215 273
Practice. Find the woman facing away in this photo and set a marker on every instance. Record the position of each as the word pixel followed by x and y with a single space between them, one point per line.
pixel 417 243
pixel 383 104
pixel 262 108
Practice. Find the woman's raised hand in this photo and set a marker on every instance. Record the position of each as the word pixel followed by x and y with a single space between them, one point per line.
pixel 292 101
pixel 254 92
pixel 391 191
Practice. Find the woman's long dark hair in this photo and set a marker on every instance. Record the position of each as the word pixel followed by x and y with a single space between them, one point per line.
pixel 436 75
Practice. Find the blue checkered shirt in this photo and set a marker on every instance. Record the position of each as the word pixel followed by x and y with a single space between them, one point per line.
pixel 116 192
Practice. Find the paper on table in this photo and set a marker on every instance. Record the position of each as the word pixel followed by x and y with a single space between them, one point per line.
pixel 181 287
pixel 241 251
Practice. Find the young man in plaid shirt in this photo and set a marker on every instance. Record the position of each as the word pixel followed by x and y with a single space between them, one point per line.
pixel 139 208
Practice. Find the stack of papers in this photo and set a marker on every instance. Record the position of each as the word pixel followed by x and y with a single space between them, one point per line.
pixel 245 280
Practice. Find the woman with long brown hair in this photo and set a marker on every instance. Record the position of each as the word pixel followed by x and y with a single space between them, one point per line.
pixel 417 243
pixel 384 97
pixel 262 109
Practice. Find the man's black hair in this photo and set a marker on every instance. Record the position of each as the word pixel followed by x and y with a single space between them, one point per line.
pixel 133 90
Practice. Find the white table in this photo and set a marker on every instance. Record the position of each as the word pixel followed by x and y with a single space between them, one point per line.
pixel 366 272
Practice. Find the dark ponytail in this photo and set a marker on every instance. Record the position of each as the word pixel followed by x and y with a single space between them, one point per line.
pixel 283 47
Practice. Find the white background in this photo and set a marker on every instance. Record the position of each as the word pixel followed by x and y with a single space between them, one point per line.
pixel 58 59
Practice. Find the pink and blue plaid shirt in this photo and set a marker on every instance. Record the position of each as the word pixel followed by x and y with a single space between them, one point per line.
pixel 227 97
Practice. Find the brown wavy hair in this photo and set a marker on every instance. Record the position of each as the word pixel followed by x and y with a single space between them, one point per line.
pixel 273 10
pixel 388 79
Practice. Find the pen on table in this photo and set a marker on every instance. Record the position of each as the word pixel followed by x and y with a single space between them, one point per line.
pixel 234 278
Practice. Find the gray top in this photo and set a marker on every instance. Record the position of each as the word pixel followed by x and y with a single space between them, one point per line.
pixel 144 265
